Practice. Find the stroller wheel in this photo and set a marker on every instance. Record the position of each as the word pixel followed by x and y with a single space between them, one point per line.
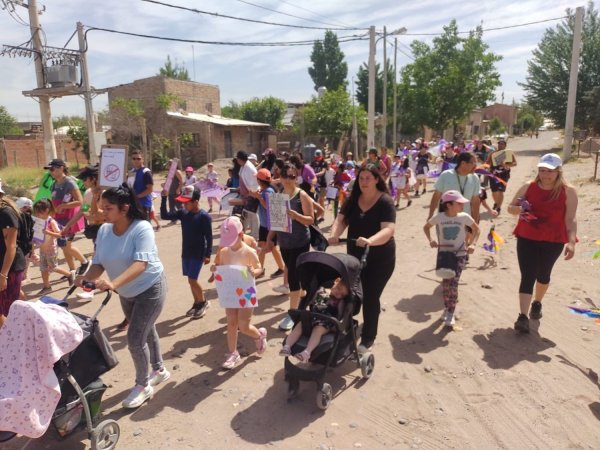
pixel 106 435
pixel 367 364
pixel 324 396
pixel 293 388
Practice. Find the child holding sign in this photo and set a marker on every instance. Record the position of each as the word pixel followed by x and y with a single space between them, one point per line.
pixel 234 263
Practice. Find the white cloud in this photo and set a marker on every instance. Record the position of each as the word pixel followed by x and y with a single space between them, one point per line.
pixel 245 72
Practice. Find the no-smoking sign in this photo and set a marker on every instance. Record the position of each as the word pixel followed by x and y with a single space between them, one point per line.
pixel 112 172
pixel 113 166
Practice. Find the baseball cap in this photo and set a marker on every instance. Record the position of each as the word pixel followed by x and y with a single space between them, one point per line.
pixel 263 175
pixel 453 196
pixel 22 202
pixel 230 231
pixel 502 140
pixel 189 169
pixel 253 157
pixel 550 161
pixel 55 163
pixel 318 152
pixel 189 193
pixel 242 155
pixel 88 171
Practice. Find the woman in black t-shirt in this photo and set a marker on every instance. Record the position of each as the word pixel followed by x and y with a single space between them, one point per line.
pixel 12 259
pixel 370 216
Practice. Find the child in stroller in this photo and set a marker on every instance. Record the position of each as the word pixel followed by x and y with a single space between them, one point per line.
pixel 332 305
pixel 318 270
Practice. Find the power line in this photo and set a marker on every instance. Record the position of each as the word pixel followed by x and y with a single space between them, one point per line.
pixel 241 44
pixel 311 11
pixel 283 13
pixel 491 29
pixel 197 11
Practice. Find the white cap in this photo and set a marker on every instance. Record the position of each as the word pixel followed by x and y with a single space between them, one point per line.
pixel 252 156
pixel 550 161
pixel 22 202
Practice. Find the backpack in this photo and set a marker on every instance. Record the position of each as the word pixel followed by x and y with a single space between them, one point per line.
pixel 25 234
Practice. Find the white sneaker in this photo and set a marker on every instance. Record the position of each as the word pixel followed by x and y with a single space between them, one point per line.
pixel 444 315
pixel 137 396
pixel 282 289
pixel 286 324
pixel 158 376
pixel 449 321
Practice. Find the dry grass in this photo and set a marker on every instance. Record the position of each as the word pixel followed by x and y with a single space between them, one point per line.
pixel 21 177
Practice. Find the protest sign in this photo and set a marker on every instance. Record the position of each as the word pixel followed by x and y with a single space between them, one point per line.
pixel 39 225
pixel 277 208
pixel 113 166
pixel 171 174
pixel 502 156
pixel 332 193
pixel 236 287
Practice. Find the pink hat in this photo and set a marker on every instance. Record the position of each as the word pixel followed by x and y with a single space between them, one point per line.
pixel 230 230
pixel 453 196
pixel 189 169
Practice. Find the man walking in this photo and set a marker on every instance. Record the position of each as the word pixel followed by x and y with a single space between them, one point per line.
pixel 140 180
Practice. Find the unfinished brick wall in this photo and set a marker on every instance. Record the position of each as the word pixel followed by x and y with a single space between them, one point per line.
pixel 28 151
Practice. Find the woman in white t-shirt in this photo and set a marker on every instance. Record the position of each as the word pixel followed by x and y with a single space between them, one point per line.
pixel 451 224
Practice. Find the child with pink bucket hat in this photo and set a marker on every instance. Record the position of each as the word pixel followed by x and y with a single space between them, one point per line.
pixel 235 252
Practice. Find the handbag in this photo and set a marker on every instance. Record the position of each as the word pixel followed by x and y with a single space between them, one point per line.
pixel 446 264
pixel 318 241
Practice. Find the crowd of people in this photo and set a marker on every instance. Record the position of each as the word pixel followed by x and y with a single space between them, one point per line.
pixel 364 196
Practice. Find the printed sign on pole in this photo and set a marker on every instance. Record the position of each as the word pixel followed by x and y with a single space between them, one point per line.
pixel 171 174
pixel 113 166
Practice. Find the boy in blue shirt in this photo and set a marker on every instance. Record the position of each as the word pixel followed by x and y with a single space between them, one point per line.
pixel 196 244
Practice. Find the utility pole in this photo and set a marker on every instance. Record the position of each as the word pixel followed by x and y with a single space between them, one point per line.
pixel 575 53
pixel 44 100
pixel 385 67
pixel 354 125
pixel 394 137
pixel 371 101
pixel 89 108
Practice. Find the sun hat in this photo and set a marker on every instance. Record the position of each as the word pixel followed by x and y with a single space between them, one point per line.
pixel 263 175
pixel 230 231
pixel 188 194
pixel 550 161
pixel 453 196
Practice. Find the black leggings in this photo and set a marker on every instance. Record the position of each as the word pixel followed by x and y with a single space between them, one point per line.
pixel 536 260
pixel 290 255
pixel 374 277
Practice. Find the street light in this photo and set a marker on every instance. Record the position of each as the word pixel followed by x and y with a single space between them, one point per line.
pixel 371 101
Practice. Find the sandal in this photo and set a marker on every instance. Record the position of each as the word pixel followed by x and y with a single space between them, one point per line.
pixel 261 342
pixel 303 356
pixel 285 351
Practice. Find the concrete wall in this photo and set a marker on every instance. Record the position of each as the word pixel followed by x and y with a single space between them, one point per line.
pixel 28 151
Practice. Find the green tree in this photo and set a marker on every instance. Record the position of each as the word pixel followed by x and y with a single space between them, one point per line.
pixel 547 81
pixel 328 66
pixel 179 72
pixel 451 78
pixel 269 110
pixel 8 124
pixel 592 111
pixel 528 118
pixel 496 126
pixel 79 135
pixel 362 87
pixel 330 116
pixel 68 121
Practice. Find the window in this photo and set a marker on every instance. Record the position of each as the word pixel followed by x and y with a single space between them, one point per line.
pixel 196 139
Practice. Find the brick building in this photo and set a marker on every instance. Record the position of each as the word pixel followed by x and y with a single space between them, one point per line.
pixel 192 108
pixel 479 120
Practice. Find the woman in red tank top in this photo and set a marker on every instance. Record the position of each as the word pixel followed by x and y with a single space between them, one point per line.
pixel 546 208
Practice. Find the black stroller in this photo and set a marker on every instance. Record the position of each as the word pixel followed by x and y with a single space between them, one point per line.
pixel 317 270
pixel 82 367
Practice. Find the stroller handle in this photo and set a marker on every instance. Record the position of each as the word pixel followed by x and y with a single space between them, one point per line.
pixel 363 258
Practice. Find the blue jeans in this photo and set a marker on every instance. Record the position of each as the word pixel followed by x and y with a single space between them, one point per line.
pixel 142 339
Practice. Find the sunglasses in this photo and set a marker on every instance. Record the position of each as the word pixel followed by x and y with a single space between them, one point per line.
pixel 137 159
pixel 288 176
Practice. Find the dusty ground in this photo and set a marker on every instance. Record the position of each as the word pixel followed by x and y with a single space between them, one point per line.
pixel 484 387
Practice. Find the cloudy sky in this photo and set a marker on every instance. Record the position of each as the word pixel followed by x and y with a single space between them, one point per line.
pixel 246 72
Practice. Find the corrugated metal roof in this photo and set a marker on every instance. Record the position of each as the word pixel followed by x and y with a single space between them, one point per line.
pixel 217 120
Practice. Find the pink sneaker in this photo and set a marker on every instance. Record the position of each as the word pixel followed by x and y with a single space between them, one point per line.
pixel 231 360
pixel 261 342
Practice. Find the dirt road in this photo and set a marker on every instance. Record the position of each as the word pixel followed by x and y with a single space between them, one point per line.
pixel 484 387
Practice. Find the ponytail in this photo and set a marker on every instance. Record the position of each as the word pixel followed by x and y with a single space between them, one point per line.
pixel 122 196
